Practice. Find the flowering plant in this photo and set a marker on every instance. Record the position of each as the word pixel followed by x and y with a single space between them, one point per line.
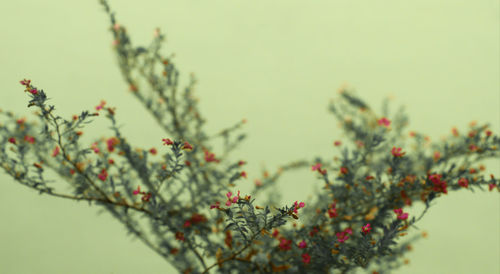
pixel 199 221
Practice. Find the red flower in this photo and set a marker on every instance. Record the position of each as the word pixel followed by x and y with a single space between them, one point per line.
pixel 285 244
pixel 437 155
pixel 491 186
pixel 275 233
pixel 302 244
pixel 216 205
pixel 167 142
pixel 25 82
pixel 187 146
pixel 396 152
pixel 439 186
pixel 306 258
pixel 344 170
pixel 153 151
pixel 179 236
pixel 337 143
pixel 12 140
pixel 314 231
pixel 210 157
pixel 463 182
pixel 240 163
pixel 145 197
pixel 332 212
pixel 243 174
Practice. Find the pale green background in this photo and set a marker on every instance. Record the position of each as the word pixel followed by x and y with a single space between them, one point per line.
pixel 276 63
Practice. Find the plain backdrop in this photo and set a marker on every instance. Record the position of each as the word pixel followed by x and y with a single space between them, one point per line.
pixel 275 63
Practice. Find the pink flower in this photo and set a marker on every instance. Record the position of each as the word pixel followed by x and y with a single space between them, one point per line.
pixel 454 131
pixel 153 151
pixel 187 223
pixel 216 205
pixel 396 152
pixel 233 200
pixel 137 191
pixel 337 143
pixel 95 148
pixel 111 142
pixel 463 182
pixel 29 139
pixel 366 228
pixel 55 152
pixel 306 258
pixel 258 182
pixel 302 244
pixel 240 163
pixel 403 216
pixel 33 91
pixel 491 186
pixel 316 167
pixel 384 121
pixel 488 133
pixel 348 230
pixel 167 142
pixel 25 82
pixel 341 236
pixel 101 105
pixel 103 175
pixel 472 147
pixel 400 214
